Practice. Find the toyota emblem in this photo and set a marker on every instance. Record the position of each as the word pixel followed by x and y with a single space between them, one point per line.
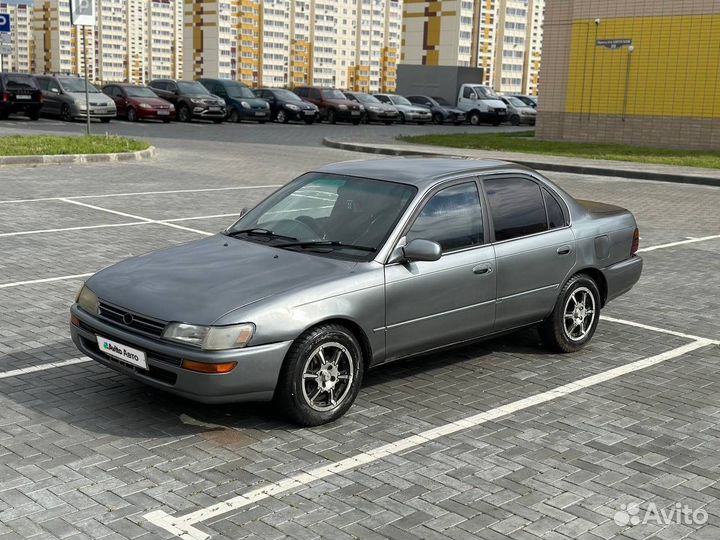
pixel 128 318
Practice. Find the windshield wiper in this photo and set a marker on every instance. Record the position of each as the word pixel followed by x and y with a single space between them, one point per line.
pixel 326 243
pixel 260 231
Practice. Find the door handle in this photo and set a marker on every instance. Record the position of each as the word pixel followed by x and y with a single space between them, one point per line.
pixel 564 250
pixel 482 269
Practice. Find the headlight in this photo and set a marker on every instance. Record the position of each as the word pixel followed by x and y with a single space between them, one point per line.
pixel 145 106
pixel 292 107
pixel 210 338
pixel 245 104
pixel 342 107
pixel 87 300
pixel 171 107
pixel 196 100
pixel 374 108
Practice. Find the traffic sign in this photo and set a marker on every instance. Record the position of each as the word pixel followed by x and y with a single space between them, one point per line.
pixel 4 22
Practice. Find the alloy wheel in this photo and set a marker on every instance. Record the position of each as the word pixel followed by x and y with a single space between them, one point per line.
pixel 579 314
pixel 327 376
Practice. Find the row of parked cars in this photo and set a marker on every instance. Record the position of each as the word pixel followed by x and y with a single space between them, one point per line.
pixel 220 100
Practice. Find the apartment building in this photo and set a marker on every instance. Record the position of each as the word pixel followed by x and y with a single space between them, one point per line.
pixel 504 37
pixel 15 54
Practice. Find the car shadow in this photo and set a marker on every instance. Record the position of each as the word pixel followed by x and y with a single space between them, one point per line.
pixel 95 399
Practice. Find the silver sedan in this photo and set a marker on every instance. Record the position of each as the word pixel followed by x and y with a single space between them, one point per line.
pixel 352 266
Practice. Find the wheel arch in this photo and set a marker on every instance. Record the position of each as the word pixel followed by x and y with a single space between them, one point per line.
pixel 354 328
pixel 598 277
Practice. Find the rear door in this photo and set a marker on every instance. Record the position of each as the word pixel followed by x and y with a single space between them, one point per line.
pixel 431 304
pixel 534 248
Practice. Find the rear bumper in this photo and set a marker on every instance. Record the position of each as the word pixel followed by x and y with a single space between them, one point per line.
pixel 253 379
pixel 622 276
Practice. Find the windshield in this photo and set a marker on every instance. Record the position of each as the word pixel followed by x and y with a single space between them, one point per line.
pixel 139 91
pixel 399 100
pixel 333 94
pixel 485 92
pixel 19 81
pixel 192 88
pixel 329 209
pixel 75 84
pixel 286 95
pixel 441 101
pixel 367 98
pixel 237 90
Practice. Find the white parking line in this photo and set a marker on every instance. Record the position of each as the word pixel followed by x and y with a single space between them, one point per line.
pixel 44 280
pixel 168 192
pixel 680 243
pixel 657 329
pixel 182 526
pixel 43 367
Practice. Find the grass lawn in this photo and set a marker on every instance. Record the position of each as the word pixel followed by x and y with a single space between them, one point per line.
pixel 35 145
pixel 524 141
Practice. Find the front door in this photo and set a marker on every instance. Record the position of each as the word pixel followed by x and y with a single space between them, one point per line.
pixel 535 249
pixel 431 304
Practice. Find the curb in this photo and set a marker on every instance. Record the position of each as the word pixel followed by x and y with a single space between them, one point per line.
pixel 77 158
pixel 539 165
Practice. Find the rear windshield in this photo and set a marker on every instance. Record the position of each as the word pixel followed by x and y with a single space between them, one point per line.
pixel 13 80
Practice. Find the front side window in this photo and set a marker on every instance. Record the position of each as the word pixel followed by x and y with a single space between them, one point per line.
pixel 517 207
pixel 452 218
pixel 331 215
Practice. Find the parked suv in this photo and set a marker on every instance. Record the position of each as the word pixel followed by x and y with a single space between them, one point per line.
pixel 240 101
pixel 19 93
pixel 286 105
pixel 375 110
pixel 191 100
pixel 64 96
pixel 139 102
pixel 334 106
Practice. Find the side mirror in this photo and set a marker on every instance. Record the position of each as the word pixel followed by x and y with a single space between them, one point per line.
pixel 55 90
pixel 422 250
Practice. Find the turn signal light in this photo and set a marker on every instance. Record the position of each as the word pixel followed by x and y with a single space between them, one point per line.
pixel 204 367
pixel 74 320
pixel 635 242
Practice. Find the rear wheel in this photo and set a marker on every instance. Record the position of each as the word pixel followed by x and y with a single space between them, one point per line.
pixel 65 113
pixel 321 376
pixel 575 317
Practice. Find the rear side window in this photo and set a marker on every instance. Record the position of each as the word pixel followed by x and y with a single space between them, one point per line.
pixel 517 207
pixel 556 217
pixel 452 218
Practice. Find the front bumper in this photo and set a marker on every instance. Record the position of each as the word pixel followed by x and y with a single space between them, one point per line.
pixel 622 276
pixel 384 116
pixel 260 115
pixel 156 114
pixel 253 379
pixel 348 115
pixel 95 112
pixel 415 117
pixel 302 115
pixel 199 111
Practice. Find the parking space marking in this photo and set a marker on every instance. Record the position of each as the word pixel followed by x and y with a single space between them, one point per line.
pixel 65 229
pixel 141 218
pixel 137 193
pixel 44 280
pixel 182 526
pixel 657 329
pixel 43 367
pixel 679 243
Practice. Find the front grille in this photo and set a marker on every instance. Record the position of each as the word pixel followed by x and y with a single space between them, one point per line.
pixel 141 323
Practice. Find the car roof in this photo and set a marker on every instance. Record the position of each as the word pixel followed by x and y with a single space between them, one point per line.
pixel 418 171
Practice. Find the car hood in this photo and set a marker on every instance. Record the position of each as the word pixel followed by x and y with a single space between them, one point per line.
pixel 201 281
pixel 94 97
pixel 153 102
pixel 498 104
pixel 304 105
pixel 411 108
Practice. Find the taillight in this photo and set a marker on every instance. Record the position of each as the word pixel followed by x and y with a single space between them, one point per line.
pixel 6 97
pixel 635 242
pixel 42 98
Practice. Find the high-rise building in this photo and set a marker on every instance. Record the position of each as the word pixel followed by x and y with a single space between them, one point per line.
pixel 504 37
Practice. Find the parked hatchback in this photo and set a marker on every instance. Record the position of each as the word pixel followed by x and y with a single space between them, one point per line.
pixel 286 106
pixel 441 110
pixel 191 100
pixel 334 106
pixel 19 92
pixel 375 110
pixel 407 112
pixel 240 101
pixel 139 103
pixel 519 112
pixel 64 96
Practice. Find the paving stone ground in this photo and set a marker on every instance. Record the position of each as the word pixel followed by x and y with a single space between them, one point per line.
pixel 86 453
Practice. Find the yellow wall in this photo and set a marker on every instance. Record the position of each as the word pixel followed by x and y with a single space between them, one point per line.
pixel 674 71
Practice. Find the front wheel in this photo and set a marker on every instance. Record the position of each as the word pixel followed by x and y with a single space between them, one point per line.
pixel 282 117
pixel 321 376
pixel 515 120
pixel 332 117
pixel 131 115
pixel 234 117
pixel 438 119
pixel 475 118
pixel 184 114
pixel 65 114
pixel 402 118
pixel 575 317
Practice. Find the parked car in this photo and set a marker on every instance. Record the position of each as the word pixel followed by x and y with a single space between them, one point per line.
pixel 532 101
pixel 191 100
pixel 407 112
pixel 286 106
pixel 352 266
pixel 64 96
pixel 519 112
pixel 241 103
pixel 19 92
pixel 440 109
pixel 375 110
pixel 139 103
pixel 332 103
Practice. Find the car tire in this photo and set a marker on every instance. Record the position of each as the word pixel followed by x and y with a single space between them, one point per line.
pixel 438 119
pixel 474 118
pixel 234 117
pixel 131 115
pixel 573 321
pixel 515 120
pixel 183 114
pixel 312 401
pixel 65 113
pixel 402 118
pixel 332 117
pixel 281 117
